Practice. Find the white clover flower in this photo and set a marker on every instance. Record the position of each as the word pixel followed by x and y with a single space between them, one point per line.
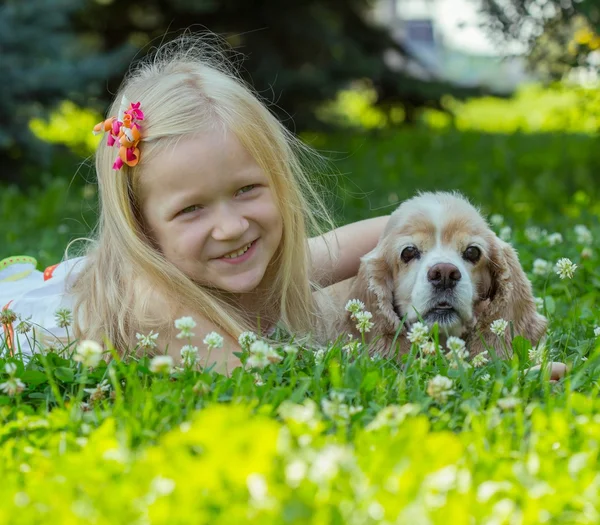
pixel 162 486
pixel 295 472
pixel 505 233
pixel 257 488
pixel 418 334
pixel 428 348
pixel 246 339
pixel 338 411
pixel 597 331
pixel 458 352
pixel 584 235
pixel 554 239
pixel 259 361
pixel 587 253
pixel 147 341
pixel 63 317
pixel 290 349
pixel 455 344
pixel 497 220
pixel 392 416
pixel 351 347
pixel 454 360
pixel 508 402
pixel 488 489
pixel 327 463
pixel 354 306
pixel 363 321
pixel 12 386
pixel 305 413
pixel 486 377
pixel 273 356
pixel 541 267
pixel 537 355
pixel 356 409
pixel 421 362
pixel 320 355
pixel 259 347
pixel 10 369
pixel 376 511
pixel 533 233
pixel 480 359
pixel 539 303
pixel 189 354
pixel 21 499
pixel 24 326
pixel 161 364
pixel 103 386
pixel 185 325
pixel 88 353
pixel 499 326
pixel 565 269
pixel 97 393
pixel 338 397
pixel 440 388
pixel 213 340
pixel 261 355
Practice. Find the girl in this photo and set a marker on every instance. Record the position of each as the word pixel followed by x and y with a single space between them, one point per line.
pixel 205 212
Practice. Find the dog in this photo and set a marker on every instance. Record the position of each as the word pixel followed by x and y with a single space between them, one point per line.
pixel 438 261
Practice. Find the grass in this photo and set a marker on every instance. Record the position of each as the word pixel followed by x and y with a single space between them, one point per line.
pixel 330 435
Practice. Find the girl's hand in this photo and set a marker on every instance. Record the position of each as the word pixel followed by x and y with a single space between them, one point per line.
pixel 556 370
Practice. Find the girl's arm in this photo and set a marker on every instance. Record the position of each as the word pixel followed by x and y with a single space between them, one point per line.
pixel 336 255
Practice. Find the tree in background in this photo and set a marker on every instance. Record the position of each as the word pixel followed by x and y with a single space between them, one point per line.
pixel 561 34
pixel 298 54
pixel 42 62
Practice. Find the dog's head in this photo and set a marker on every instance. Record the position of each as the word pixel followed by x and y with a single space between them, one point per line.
pixel 438 260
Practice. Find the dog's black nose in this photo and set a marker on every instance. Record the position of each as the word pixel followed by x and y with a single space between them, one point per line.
pixel 443 275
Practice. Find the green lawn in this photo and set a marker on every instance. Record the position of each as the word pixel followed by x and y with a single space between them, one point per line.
pixel 329 435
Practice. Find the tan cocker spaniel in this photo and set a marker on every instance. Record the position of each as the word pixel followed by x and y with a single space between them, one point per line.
pixel 439 261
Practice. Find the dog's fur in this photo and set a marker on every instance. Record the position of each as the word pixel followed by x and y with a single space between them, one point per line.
pixel 441 226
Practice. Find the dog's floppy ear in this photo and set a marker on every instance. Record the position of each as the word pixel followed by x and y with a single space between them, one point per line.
pixel 374 286
pixel 508 295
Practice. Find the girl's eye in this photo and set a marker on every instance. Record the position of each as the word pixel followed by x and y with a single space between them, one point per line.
pixel 190 209
pixel 246 189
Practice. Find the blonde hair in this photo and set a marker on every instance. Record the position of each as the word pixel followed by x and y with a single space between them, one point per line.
pixel 185 88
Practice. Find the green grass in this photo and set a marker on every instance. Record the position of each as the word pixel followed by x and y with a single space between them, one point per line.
pixel 331 436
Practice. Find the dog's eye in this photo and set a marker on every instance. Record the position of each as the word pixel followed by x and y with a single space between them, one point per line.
pixel 472 254
pixel 409 253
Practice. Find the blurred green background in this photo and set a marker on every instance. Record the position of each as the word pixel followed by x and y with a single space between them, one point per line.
pixel 389 91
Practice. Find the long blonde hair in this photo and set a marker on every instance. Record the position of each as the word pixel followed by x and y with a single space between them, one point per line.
pixel 185 88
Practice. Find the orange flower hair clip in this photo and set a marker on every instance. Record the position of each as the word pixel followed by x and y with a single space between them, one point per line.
pixel 125 131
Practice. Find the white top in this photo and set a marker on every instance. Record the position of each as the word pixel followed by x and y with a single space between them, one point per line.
pixel 24 290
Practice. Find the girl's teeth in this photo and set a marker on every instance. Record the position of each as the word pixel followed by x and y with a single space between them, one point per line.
pixel 238 253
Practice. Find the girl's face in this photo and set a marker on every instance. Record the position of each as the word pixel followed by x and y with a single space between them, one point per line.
pixel 208 206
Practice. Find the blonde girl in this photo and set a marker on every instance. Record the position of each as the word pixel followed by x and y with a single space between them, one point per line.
pixel 205 211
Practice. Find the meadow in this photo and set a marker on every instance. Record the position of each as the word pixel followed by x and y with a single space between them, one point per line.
pixel 306 434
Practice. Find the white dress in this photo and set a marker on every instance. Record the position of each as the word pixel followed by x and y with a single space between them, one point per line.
pixel 35 297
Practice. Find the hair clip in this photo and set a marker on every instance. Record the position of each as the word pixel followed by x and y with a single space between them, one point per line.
pixel 125 131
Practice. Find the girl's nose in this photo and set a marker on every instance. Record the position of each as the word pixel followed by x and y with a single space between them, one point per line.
pixel 229 225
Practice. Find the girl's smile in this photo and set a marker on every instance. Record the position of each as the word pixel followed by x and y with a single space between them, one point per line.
pixel 241 255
